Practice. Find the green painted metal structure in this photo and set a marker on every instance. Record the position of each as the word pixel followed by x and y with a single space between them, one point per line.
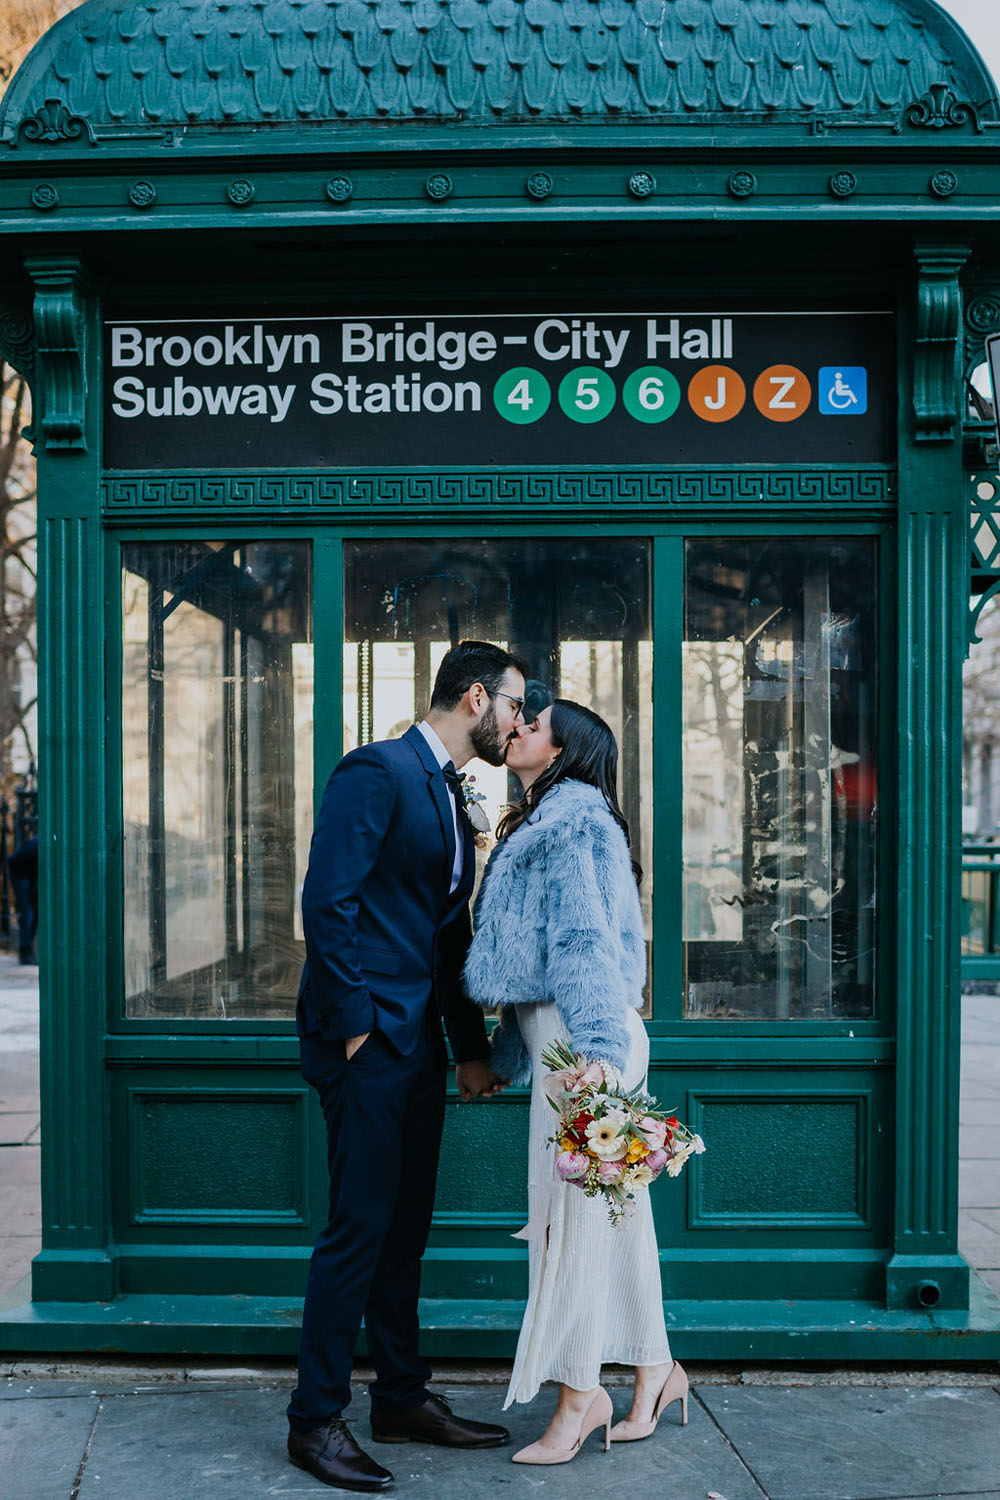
pixel 268 158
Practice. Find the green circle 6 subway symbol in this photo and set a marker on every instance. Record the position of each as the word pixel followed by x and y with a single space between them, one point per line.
pixel 651 394
pixel 522 395
pixel 587 394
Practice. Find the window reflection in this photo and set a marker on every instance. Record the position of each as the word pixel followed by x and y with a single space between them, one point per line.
pixel 779 675
pixel 217 775
pixel 577 610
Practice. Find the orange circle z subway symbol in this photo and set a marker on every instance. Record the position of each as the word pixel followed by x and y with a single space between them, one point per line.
pixel 716 393
pixel 781 393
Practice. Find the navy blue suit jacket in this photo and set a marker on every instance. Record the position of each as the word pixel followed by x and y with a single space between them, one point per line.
pixel 383 936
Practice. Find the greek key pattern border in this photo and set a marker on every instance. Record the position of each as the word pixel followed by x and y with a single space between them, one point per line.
pixel 456 491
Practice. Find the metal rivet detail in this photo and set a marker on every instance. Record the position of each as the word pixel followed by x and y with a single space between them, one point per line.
pixel 843 184
pixel 943 184
pixel 241 192
pixel 439 186
pixel 743 184
pixel 539 185
pixel 642 184
pixel 142 195
pixel 45 196
pixel 339 189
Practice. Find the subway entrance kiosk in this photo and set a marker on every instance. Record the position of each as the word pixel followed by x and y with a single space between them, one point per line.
pixel 636 337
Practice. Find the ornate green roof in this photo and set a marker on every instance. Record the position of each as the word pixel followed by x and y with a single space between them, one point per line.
pixel 113 67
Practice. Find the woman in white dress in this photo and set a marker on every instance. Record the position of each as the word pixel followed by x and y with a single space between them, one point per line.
pixel 559 948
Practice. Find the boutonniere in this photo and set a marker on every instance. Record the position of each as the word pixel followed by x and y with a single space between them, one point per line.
pixel 475 812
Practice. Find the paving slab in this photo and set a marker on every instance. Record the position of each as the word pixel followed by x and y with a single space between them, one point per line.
pixel 17 1129
pixel 992 1279
pixel 42 1444
pixel 18 1079
pixel 979 1111
pixel 978 1142
pixel 231 1445
pixel 978 1242
pixel 978 1184
pixel 854 1444
pixel 16 1254
pixel 20 1189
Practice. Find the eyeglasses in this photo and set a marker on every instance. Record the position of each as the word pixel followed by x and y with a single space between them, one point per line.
pixel 517 702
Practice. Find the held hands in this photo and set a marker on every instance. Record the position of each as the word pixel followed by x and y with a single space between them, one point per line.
pixel 477 1080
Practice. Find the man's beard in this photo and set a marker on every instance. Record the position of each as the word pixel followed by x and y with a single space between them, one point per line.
pixel 487 741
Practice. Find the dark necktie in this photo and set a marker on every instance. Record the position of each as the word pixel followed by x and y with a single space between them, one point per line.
pixel 455 782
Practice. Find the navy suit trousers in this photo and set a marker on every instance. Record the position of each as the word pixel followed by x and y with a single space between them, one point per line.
pixel 384 1117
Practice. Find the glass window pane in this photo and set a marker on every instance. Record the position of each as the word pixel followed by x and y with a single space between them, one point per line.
pixel 217 689
pixel 577 610
pixel 779 672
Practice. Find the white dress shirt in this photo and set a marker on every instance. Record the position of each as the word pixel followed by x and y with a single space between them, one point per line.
pixel 443 758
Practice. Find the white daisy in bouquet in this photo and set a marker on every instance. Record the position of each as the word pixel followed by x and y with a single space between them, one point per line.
pixel 610 1143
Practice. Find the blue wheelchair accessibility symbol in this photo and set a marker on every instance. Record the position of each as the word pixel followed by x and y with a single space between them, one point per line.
pixel 843 390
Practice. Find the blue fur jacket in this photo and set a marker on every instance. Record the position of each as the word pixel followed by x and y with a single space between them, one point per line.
pixel 558 920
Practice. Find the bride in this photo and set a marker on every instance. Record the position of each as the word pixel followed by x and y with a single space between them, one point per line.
pixel 559 948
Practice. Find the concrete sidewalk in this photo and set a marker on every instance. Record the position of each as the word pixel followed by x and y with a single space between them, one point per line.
pixel 74 1431
pixel 749 1439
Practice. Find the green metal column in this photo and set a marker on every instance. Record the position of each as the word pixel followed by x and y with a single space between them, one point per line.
pixel 925 1270
pixel 75 1263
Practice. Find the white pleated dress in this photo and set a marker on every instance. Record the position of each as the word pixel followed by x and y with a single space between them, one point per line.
pixel 593 1287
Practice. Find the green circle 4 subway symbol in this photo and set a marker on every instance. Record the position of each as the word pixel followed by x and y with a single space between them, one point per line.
pixel 587 394
pixel 651 394
pixel 522 395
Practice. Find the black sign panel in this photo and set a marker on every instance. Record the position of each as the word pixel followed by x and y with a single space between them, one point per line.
pixel 556 388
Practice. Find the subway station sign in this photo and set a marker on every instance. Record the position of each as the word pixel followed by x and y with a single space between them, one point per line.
pixel 540 388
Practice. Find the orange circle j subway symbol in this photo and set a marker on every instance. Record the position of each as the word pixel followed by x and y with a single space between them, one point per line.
pixel 781 393
pixel 716 393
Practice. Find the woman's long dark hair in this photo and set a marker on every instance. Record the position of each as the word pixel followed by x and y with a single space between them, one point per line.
pixel 589 754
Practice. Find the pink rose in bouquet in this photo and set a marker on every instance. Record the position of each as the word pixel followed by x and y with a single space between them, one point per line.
pixel 653 1132
pixel 609 1172
pixel 656 1161
pixel 572 1164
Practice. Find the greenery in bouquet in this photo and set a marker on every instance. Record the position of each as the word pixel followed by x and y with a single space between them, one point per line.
pixel 611 1142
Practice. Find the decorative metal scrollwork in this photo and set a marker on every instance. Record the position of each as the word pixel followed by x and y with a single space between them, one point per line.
pixel 55 122
pixel 940 108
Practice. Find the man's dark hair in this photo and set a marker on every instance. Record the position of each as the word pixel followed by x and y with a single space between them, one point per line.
pixel 469 662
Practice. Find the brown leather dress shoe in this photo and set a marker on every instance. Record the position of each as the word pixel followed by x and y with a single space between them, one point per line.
pixel 435 1422
pixel 329 1453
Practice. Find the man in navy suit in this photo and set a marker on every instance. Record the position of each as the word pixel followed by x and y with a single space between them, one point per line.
pixel 386 915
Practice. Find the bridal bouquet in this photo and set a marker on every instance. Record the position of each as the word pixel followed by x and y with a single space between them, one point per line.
pixel 612 1143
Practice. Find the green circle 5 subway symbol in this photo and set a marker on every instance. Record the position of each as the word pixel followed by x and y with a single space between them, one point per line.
pixel 522 395
pixel 651 394
pixel 587 394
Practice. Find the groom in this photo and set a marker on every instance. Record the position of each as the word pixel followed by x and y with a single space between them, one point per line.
pixel 386 915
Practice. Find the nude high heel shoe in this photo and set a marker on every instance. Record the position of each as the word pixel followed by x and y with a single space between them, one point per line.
pixel 675 1388
pixel 598 1414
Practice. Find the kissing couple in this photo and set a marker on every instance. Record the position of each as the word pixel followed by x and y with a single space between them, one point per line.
pixel 390 956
